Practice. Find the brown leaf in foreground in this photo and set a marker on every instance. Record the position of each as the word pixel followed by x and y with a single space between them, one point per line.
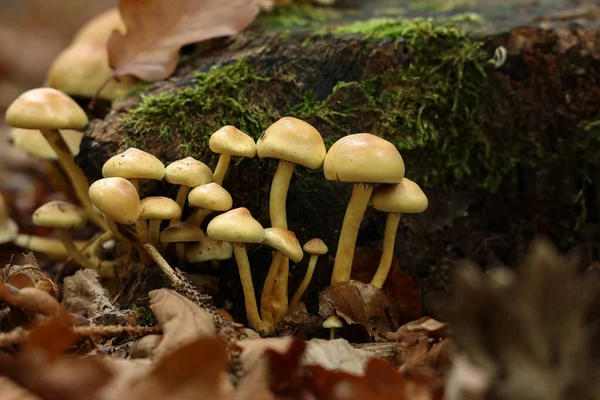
pixel 357 303
pixel 34 301
pixel 423 343
pixel 181 320
pixel 157 29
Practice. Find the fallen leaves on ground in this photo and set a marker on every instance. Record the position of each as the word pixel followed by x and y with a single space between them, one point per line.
pixel 400 289
pixel 33 301
pixel 357 303
pixel 158 29
pixel 181 320
pixel 423 343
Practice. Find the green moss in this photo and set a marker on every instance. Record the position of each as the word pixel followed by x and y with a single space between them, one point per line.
pixel 145 317
pixel 138 89
pixel 222 96
pixel 300 15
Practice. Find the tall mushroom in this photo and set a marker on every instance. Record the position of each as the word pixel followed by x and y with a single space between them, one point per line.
pixel 361 159
pixel 134 164
pixel 188 173
pixel 208 198
pixel 63 217
pixel 180 234
pixel 405 197
pixel 285 244
pixel 49 110
pixel 315 247
pixel 238 227
pixel 155 210
pixel 208 249
pixel 229 141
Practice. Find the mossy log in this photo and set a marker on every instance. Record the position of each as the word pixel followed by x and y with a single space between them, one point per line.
pixel 503 153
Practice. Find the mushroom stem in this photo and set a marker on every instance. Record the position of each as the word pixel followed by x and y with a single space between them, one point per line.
pixel 57 179
pixel 389 239
pixel 141 228
pixel 241 257
pixel 279 304
pixel 361 193
pixel 305 282
pixel 198 216
pixel 74 252
pixel 266 299
pixel 154 229
pixel 44 245
pixel 180 251
pixel 221 168
pixel 128 236
pixel 182 195
pixel 75 174
pixel 279 189
pixel 331 333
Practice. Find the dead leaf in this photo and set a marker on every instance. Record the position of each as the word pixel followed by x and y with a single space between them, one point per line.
pixel 403 294
pixel 357 303
pixel 50 339
pixel 11 391
pixel 336 355
pixel 181 320
pixel 423 343
pixel 157 29
pixel 28 275
pixel 34 301
pixel 196 370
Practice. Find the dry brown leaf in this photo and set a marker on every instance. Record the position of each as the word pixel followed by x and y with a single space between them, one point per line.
pixel 423 343
pixel 157 29
pixel 34 301
pixel 357 303
pixel 9 390
pixel 181 320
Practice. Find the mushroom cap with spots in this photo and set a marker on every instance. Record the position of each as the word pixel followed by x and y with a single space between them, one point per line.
pixel 211 196
pixel 293 140
pixel 208 249
pixel 236 226
pixel 134 164
pixel 315 246
pixel 159 207
pixel 60 214
pixel 333 322
pixel 117 198
pixel 181 232
pixel 45 108
pixel 363 158
pixel 82 68
pixel 285 242
pixel 188 172
pixel 230 140
pixel 33 142
pixel 101 26
pixel 405 197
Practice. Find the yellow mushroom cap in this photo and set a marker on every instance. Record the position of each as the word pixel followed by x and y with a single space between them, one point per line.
pixel 208 249
pixel 182 232
pixel 134 164
pixel 188 172
pixel 236 226
pixel 333 322
pixel 159 207
pixel 363 158
pixel 284 241
pixel 291 139
pixel 33 142
pixel 8 228
pixel 405 197
pixel 101 26
pixel 60 215
pixel 230 140
pixel 211 196
pixel 83 67
pixel 117 198
pixel 315 246
pixel 45 108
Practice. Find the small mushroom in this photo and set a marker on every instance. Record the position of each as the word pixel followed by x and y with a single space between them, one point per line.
pixel 134 164
pixel 229 141
pixel 237 227
pixel 188 173
pixel 8 228
pixel 208 198
pixel 180 234
pixel 49 110
pixel 208 249
pixel 362 159
pixel 332 323
pixel 402 198
pixel 155 210
pixel 63 217
pixel 315 247
pixel 101 26
pixel 285 244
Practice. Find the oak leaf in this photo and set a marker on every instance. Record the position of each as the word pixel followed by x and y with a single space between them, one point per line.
pixel 158 29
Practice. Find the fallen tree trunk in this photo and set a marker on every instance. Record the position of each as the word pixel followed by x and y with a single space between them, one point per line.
pixel 503 153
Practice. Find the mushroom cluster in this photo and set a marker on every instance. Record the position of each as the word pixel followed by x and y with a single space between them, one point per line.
pixel 114 203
